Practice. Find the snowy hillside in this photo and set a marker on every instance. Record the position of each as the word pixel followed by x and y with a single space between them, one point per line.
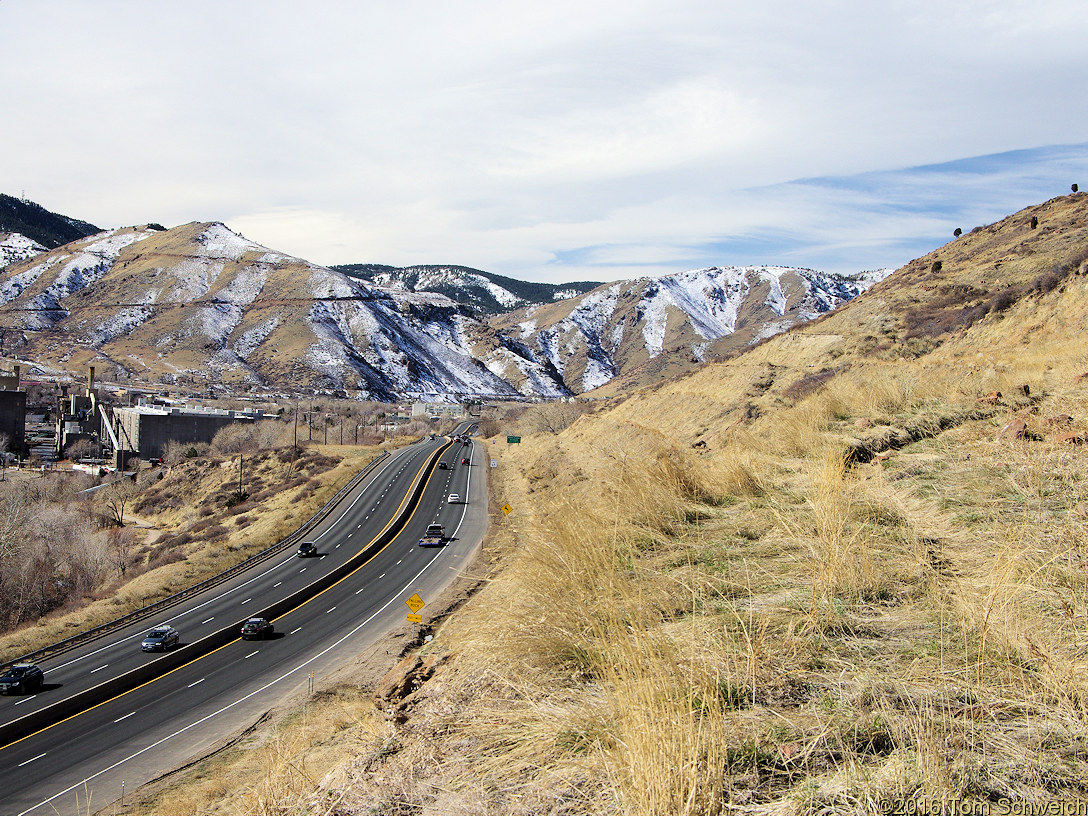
pixel 201 304
pixel 16 247
pixel 594 337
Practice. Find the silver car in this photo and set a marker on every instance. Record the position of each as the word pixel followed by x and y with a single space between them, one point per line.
pixel 161 639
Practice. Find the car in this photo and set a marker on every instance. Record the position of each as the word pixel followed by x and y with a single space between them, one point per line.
pixel 161 639
pixel 434 537
pixel 22 678
pixel 443 466
pixel 453 499
pixel 464 460
pixel 307 549
pixel 257 628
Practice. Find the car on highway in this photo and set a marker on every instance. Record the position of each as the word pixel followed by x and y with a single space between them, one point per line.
pixel 453 499
pixel 434 537
pixel 160 639
pixel 257 628
pixel 464 460
pixel 443 466
pixel 22 678
pixel 307 549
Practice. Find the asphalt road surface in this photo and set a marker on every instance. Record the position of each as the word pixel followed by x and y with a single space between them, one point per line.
pixel 78 765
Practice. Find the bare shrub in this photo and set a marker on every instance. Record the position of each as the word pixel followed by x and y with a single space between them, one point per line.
pixel 553 417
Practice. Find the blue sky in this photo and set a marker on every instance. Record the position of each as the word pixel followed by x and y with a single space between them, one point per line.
pixel 572 140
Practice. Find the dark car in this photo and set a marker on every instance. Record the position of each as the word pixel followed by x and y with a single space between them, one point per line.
pixel 256 629
pixel 22 678
pixel 160 639
pixel 307 549
pixel 443 466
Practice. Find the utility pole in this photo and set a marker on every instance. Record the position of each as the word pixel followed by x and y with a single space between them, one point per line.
pixel 296 427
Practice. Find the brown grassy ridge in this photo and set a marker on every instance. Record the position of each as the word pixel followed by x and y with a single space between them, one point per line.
pixel 757 624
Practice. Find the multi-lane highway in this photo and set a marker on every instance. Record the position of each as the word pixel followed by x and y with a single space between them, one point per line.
pixel 139 734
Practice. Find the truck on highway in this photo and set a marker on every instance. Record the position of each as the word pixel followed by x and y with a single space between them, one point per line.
pixel 434 537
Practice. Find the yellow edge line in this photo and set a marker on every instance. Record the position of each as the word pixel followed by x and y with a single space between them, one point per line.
pixel 230 643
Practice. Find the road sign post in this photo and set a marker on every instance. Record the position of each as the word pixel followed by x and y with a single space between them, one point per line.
pixel 415 603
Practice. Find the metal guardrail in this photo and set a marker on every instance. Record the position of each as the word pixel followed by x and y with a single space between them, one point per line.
pixel 146 611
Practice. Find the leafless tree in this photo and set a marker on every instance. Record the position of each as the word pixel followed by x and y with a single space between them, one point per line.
pixel 113 500
pixel 553 417
pixel 80 449
pixel 121 541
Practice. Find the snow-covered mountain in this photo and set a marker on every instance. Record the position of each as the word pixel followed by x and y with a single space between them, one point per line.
pixel 701 314
pixel 200 304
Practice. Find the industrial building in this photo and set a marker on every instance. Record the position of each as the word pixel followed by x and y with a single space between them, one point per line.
pixel 13 413
pixel 145 430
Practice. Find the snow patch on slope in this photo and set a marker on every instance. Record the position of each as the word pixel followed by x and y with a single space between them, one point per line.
pixel 220 242
pixel 14 286
pixel 16 247
pixel 251 339
pixel 93 260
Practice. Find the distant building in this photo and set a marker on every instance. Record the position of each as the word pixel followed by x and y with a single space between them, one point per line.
pixel 145 430
pixel 439 409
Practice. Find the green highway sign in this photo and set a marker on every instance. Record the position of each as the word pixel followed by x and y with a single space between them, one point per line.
pixel 510 440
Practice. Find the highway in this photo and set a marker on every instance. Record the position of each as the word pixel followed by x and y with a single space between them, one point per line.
pixel 138 735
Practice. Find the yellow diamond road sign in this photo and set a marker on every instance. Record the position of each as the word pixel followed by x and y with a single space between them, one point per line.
pixel 414 618
pixel 506 508
pixel 415 603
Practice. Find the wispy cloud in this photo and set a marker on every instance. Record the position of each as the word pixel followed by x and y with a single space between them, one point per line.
pixel 548 141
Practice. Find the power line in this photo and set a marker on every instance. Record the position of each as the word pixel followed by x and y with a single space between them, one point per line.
pixel 198 303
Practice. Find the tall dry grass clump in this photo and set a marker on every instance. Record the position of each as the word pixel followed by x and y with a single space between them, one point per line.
pixel 586 679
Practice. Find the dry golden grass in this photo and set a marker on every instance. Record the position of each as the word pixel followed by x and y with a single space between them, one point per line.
pixel 282 762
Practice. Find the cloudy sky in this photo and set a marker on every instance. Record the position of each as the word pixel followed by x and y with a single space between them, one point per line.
pixel 557 141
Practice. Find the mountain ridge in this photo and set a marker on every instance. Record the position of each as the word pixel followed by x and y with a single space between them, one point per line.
pixel 199 303
pixel 46 228
pixel 487 292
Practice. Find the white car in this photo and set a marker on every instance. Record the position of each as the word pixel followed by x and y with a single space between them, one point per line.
pixel 454 498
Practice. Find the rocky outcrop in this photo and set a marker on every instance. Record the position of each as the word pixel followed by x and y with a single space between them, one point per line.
pixel 395 692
